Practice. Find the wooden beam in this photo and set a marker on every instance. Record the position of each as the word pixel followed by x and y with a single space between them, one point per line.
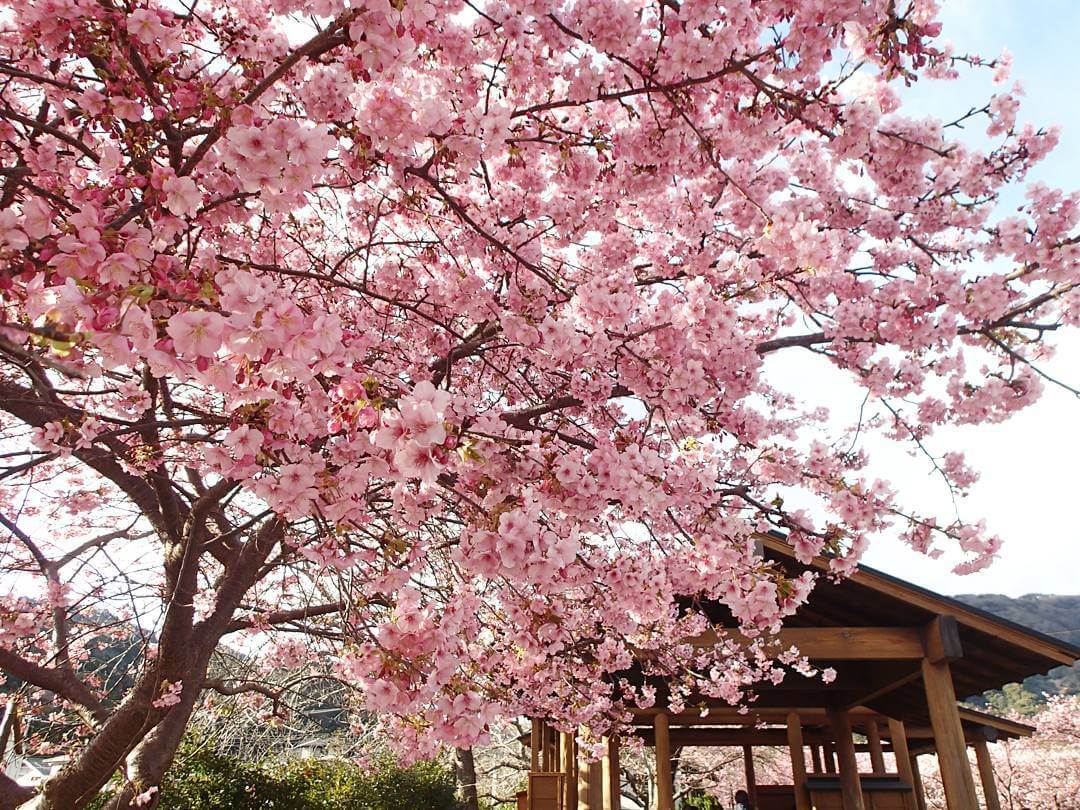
pixel 724 715
pixel 888 680
pixel 665 787
pixel 986 776
pixel 815 756
pixel 840 643
pixel 941 638
pixel 733 737
pixel 822 696
pixel 873 737
pixel 1000 725
pixel 748 772
pixel 948 736
pixel 850 787
pixel 1042 645
pixel 798 761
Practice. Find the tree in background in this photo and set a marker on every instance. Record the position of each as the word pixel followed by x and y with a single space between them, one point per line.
pixel 426 341
pixel 1041 771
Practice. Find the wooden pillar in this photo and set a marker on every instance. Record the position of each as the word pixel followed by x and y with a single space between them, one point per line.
pixel 898 738
pixel 612 784
pixel 815 756
pixel 589 783
pixel 948 736
pixel 986 775
pixel 616 775
pixel 548 759
pixel 535 743
pixel 665 787
pixel 582 784
pixel 830 762
pixel 596 785
pixel 847 765
pixel 748 770
pixel 916 780
pixel 798 761
pixel 584 794
pixel 568 765
pixel 873 737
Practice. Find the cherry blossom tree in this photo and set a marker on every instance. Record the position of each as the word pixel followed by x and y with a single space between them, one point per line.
pixel 1031 772
pixel 426 340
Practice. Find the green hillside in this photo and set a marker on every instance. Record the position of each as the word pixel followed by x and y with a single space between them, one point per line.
pixel 1058 616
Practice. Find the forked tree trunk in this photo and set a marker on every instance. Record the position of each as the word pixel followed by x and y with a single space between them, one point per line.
pixel 137 734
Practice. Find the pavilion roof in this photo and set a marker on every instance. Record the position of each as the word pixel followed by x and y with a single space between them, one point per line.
pixel 987 651
pixel 995 651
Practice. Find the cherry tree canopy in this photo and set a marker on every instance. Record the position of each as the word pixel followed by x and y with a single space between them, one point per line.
pixel 428 337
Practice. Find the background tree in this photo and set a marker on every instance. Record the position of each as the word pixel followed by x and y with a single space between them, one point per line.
pixel 1038 771
pixel 427 339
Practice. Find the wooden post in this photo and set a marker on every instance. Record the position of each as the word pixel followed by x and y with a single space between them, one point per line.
pixel 535 742
pixel 616 775
pixel 665 787
pixel 582 784
pixel 584 792
pixel 830 762
pixel 898 738
pixel 847 765
pixel 873 737
pixel 798 761
pixel 568 756
pixel 815 756
pixel 605 773
pixel 986 775
pixel 920 795
pixel 546 763
pixel 596 785
pixel 589 783
pixel 612 787
pixel 948 736
pixel 748 770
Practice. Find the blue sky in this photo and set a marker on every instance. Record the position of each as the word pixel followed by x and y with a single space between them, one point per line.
pixel 1029 486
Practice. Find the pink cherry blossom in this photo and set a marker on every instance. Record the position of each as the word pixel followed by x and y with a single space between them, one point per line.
pixel 170 695
pixel 433 345
pixel 182 196
pixel 196 333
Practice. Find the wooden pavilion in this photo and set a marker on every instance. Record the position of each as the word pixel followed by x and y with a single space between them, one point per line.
pixel 902 655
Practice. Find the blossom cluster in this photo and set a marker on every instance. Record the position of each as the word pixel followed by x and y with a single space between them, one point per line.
pixel 453 322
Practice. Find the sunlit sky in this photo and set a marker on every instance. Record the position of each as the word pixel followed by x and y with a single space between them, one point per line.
pixel 1028 491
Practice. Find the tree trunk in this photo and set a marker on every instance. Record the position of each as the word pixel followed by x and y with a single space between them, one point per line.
pixel 466 774
pixel 138 733
pixel 12 794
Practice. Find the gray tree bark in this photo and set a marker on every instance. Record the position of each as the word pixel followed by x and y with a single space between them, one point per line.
pixel 466 774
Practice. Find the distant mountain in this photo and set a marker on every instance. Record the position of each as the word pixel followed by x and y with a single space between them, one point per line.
pixel 1057 616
